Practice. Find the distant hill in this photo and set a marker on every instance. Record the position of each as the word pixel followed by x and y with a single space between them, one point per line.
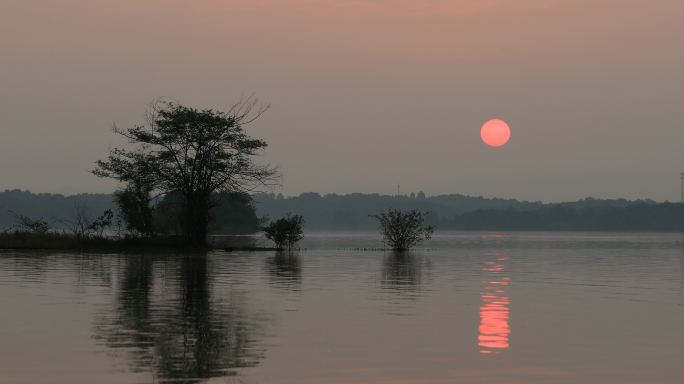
pixel 351 211
pixel 56 209
pixel 457 211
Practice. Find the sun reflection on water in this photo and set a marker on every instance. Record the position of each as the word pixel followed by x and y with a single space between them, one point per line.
pixel 494 329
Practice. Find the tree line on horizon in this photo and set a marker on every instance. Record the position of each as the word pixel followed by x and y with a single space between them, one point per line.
pixel 244 213
pixel 461 212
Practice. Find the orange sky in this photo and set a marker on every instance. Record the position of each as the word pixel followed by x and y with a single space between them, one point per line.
pixel 365 94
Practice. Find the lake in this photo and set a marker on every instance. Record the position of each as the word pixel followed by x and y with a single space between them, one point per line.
pixel 466 307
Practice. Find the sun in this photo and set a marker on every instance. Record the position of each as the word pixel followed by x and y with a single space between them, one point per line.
pixel 495 133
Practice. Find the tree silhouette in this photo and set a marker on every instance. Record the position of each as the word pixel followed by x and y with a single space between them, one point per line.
pixel 193 152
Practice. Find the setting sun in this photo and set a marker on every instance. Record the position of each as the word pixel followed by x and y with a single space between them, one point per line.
pixel 495 133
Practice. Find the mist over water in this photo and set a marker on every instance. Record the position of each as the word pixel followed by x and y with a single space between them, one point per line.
pixel 468 307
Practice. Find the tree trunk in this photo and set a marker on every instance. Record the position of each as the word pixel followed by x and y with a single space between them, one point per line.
pixel 196 219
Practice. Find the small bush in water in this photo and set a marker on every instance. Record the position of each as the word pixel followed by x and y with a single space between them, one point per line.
pixel 402 230
pixel 285 232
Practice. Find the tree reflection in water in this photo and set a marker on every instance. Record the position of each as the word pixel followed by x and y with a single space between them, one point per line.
pixel 182 336
pixel 402 271
pixel 285 270
pixel 133 309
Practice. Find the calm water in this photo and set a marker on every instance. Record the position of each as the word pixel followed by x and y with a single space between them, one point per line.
pixel 467 308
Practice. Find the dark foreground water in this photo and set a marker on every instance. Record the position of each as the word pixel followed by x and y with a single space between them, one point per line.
pixel 471 308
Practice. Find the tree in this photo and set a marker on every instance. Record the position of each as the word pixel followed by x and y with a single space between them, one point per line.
pixel 195 153
pixel 286 231
pixel 134 203
pixel 402 230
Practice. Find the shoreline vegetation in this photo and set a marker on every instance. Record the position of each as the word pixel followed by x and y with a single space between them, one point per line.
pixel 67 241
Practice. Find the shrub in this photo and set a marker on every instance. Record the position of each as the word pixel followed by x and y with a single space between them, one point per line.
pixel 402 230
pixel 26 224
pixel 286 231
pixel 98 226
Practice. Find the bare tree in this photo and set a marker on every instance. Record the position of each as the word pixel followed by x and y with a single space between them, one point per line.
pixel 83 227
pixel 81 220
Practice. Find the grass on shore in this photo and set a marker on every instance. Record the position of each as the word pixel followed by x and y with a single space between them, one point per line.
pixel 56 240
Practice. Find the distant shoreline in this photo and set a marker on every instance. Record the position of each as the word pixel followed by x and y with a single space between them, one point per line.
pixel 351 212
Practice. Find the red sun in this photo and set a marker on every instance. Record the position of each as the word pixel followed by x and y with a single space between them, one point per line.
pixel 495 133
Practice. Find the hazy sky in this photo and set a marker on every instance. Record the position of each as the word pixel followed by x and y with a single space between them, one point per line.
pixel 364 94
